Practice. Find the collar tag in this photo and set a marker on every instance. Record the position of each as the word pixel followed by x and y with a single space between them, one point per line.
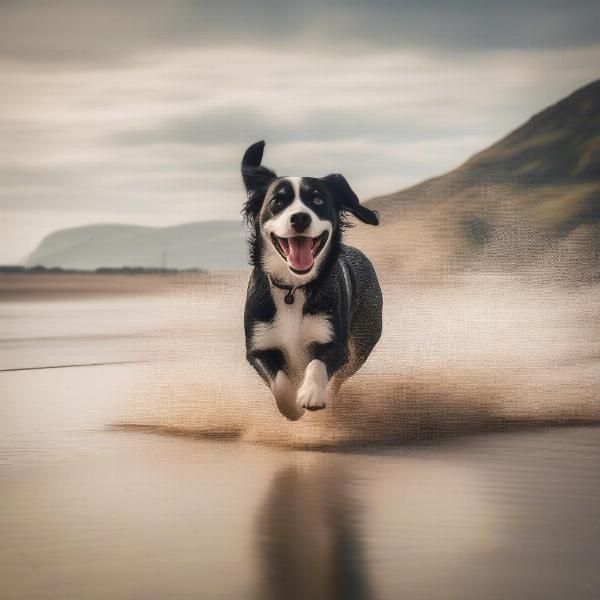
pixel 289 297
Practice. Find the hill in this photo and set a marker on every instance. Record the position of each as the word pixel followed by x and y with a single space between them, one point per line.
pixel 530 201
pixel 205 245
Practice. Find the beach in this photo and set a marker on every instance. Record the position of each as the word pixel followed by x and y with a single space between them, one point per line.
pixel 141 458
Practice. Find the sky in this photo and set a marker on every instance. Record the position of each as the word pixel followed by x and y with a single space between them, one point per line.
pixel 139 111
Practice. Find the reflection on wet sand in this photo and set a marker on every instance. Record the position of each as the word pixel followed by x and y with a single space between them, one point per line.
pixel 307 533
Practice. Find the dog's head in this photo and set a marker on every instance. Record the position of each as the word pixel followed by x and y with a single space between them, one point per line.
pixel 297 221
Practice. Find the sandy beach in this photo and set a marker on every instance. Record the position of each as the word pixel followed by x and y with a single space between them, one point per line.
pixel 164 470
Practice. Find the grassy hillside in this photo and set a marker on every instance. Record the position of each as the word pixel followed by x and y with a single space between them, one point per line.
pixel 529 202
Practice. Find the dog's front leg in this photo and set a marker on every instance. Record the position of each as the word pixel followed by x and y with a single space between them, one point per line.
pixel 269 365
pixel 327 359
pixel 284 392
pixel 312 394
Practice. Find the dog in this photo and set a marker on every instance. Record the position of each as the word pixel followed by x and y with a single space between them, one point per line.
pixel 313 306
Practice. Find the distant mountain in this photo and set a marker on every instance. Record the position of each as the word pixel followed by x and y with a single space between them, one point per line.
pixel 531 200
pixel 207 245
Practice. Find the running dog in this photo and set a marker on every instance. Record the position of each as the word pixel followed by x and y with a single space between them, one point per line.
pixel 313 307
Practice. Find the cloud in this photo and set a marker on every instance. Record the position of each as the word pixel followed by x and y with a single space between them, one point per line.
pixel 89 31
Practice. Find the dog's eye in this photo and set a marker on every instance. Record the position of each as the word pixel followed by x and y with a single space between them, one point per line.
pixel 276 203
pixel 318 200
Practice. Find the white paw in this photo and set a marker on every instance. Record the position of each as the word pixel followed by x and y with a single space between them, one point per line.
pixel 312 396
pixel 285 397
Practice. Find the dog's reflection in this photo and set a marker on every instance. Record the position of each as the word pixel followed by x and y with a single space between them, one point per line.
pixel 307 534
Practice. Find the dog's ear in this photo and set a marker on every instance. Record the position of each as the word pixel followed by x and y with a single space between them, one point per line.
pixel 346 200
pixel 254 175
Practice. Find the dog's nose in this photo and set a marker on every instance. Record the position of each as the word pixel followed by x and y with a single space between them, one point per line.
pixel 300 221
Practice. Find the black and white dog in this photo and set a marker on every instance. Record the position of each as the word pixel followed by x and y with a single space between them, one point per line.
pixel 313 309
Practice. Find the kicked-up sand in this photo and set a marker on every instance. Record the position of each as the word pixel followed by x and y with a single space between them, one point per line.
pixel 481 352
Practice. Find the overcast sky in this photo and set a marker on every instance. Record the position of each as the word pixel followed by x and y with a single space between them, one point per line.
pixel 139 112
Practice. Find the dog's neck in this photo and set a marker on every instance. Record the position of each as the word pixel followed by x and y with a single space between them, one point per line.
pixel 291 289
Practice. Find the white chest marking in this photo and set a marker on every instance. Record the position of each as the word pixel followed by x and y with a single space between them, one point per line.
pixel 292 332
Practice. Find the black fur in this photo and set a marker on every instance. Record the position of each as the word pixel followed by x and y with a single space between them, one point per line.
pixel 345 290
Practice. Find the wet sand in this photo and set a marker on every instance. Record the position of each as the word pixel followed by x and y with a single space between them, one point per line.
pixel 393 492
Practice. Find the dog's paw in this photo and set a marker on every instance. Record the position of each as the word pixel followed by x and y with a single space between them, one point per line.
pixel 284 393
pixel 312 396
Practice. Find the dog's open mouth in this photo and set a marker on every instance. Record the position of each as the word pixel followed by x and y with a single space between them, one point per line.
pixel 300 251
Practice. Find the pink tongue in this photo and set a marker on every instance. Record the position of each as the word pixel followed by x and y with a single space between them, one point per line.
pixel 300 257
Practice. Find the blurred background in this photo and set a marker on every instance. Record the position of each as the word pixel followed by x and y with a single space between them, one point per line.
pixel 141 457
pixel 137 114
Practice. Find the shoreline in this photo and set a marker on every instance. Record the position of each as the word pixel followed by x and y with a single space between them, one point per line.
pixel 43 286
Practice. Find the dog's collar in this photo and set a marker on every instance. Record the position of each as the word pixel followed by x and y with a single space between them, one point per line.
pixel 289 297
